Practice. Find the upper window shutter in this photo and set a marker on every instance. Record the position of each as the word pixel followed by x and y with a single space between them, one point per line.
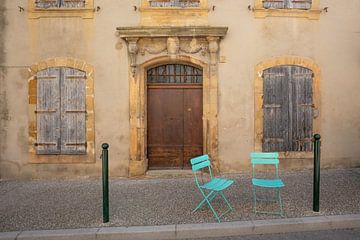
pixel 174 3
pixel 72 3
pixel 299 4
pixel 48 111
pixel 47 3
pixel 275 109
pixel 302 106
pixel 276 4
pixel 73 116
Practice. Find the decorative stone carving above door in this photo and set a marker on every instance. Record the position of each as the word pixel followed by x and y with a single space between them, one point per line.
pixel 149 46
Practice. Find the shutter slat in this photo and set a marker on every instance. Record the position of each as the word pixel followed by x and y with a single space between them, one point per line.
pixel 299 4
pixel 47 3
pixel 48 105
pixel 275 123
pixel 73 112
pixel 274 4
pixel 302 109
pixel 72 3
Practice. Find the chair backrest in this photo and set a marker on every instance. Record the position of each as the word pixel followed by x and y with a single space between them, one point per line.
pixel 265 158
pixel 200 164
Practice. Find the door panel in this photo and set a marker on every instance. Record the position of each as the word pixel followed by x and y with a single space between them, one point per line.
pixel 193 134
pixel 165 127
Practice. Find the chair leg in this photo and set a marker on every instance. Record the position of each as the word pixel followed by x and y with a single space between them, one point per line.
pixel 208 198
pixel 227 202
pixel 212 209
pixel 280 203
pixel 204 200
pixel 254 199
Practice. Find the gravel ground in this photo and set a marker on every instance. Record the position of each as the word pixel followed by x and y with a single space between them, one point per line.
pixel 55 204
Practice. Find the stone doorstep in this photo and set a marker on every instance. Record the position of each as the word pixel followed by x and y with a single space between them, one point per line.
pixel 173 173
pixel 182 231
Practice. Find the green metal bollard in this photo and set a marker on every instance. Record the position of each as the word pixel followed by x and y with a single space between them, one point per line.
pixel 316 188
pixel 105 182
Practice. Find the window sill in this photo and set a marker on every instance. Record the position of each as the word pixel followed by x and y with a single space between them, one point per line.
pixel 61 159
pixel 61 12
pixel 313 14
pixel 173 9
pixel 296 155
pixel 173 16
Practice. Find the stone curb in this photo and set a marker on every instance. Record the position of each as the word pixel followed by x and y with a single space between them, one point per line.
pixel 183 231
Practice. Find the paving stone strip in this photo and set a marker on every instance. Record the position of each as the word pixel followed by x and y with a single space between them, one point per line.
pixel 77 203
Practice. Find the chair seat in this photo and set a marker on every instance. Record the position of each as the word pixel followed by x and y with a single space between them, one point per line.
pixel 217 184
pixel 271 183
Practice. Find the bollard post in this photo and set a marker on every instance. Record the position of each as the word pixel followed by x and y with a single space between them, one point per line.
pixel 105 182
pixel 316 188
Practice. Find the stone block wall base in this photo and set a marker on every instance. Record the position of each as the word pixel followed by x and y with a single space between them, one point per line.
pixel 137 168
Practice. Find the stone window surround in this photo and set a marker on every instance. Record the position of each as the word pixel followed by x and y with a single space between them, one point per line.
pixel 173 16
pixel 89 157
pixel 258 95
pixel 86 12
pixel 312 13
pixel 173 39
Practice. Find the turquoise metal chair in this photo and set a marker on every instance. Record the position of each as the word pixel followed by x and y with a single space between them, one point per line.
pixel 275 183
pixel 212 187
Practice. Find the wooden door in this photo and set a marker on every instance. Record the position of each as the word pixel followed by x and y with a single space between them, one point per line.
pixel 174 121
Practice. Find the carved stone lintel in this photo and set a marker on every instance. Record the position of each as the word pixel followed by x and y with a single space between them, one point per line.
pixel 213 49
pixel 152 45
pixel 193 46
pixel 133 50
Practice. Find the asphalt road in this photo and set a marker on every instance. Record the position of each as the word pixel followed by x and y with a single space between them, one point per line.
pixel 345 234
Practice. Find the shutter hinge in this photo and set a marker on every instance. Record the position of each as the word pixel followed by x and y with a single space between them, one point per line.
pixel 44 144
pixel 76 144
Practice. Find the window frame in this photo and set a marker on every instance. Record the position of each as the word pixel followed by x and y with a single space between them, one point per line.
pixel 84 12
pixel 258 99
pixel 89 156
pixel 173 16
pixel 312 13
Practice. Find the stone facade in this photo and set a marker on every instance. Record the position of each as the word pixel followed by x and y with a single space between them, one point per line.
pixel 115 42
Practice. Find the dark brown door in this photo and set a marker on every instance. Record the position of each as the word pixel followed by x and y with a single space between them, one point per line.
pixel 174 123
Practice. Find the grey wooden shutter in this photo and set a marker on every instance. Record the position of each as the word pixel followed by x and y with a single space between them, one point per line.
pixel 288 118
pixel 47 3
pixel 72 3
pixel 174 3
pixel 276 4
pixel 302 104
pixel 73 113
pixel 48 111
pixel 275 109
pixel 299 4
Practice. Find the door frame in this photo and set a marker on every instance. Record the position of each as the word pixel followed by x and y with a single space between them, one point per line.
pixel 138 164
